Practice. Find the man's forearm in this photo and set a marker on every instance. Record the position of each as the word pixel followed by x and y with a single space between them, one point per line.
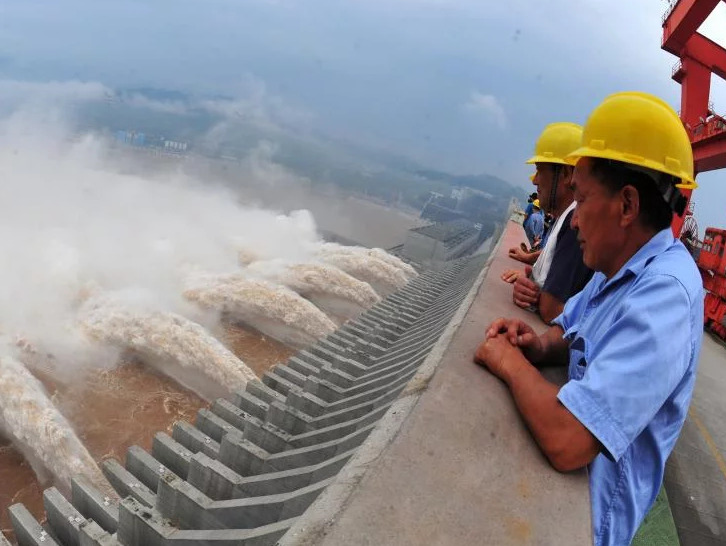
pixel 535 397
pixel 556 431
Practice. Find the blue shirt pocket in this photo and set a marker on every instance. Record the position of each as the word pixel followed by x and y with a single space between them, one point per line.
pixel 578 358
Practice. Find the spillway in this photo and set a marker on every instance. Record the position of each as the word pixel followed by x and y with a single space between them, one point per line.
pixel 39 431
pixel 177 346
pixel 382 276
pixel 271 309
pixel 377 253
pixel 328 287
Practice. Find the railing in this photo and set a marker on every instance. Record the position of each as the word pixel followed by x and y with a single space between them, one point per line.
pixel 714 125
pixel 676 67
pixel 671 6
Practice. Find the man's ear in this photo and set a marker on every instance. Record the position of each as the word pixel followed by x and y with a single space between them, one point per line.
pixel 566 175
pixel 629 205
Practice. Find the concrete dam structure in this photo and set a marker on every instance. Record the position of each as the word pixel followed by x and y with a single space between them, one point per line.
pixel 249 467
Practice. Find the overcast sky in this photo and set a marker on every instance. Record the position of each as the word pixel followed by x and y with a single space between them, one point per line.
pixel 463 85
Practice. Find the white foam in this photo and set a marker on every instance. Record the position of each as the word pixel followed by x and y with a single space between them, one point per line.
pixel 269 308
pixel 328 287
pixel 377 253
pixel 382 276
pixel 178 346
pixel 37 428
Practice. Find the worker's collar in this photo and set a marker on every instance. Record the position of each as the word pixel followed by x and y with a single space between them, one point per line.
pixel 659 243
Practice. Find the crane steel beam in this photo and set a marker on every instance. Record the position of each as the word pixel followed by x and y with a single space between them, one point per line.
pixel 683 21
pixel 695 83
pixel 707 52
pixel 709 154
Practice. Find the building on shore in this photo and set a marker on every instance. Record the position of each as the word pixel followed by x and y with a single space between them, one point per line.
pixel 441 242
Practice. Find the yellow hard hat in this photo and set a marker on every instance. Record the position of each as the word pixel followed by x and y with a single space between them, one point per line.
pixel 642 130
pixel 556 143
pixel 536 203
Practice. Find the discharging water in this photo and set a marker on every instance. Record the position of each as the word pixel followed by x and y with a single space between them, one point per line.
pixel 381 275
pixel 179 347
pixel 111 410
pixel 328 287
pixel 272 309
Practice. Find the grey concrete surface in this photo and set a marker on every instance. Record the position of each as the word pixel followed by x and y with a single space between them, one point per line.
pixel 93 505
pixel 91 534
pixel 452 463
pixel 126 484
pixel 171 454
pixel 28 532
pixel 696 471
pixel 62 517
pixel 145 467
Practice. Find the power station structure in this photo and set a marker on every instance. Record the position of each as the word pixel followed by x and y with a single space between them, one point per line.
pixel 440 242
pixel 292 458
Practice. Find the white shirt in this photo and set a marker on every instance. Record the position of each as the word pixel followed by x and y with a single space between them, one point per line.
pixel 541 267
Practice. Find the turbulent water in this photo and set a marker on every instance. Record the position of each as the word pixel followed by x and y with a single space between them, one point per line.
pixel 376 253
pixel 381 275
pixel 395 261
pixel 37 428
pixel 269 308
pixel 163 339
pixel 326 286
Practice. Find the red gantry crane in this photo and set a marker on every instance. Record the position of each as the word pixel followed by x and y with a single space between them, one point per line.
pixel 699 59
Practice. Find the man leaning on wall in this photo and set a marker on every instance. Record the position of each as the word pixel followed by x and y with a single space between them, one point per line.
pixel 558 272
pixel 632 337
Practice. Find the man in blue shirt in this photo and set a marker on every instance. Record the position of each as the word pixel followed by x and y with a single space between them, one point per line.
pixel 529 209
pixel 534 224
pixel 632 337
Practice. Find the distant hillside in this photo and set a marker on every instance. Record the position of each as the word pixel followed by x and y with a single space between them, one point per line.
pixel 482 182
pixel 381 176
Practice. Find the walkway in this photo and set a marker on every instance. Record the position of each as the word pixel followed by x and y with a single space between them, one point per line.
pixel 696 472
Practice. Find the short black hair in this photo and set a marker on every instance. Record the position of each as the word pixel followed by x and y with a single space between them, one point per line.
pixel 655 212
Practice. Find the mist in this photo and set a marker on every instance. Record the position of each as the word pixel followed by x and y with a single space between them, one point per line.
pixel 71 228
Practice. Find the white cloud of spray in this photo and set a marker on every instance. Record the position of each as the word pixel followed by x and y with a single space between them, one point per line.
pixel 67 225
pixel 17 92
pixel 73 233
pixel 251 103
pixel 167 107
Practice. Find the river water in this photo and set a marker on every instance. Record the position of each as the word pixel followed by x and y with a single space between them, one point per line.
pixel 112 410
